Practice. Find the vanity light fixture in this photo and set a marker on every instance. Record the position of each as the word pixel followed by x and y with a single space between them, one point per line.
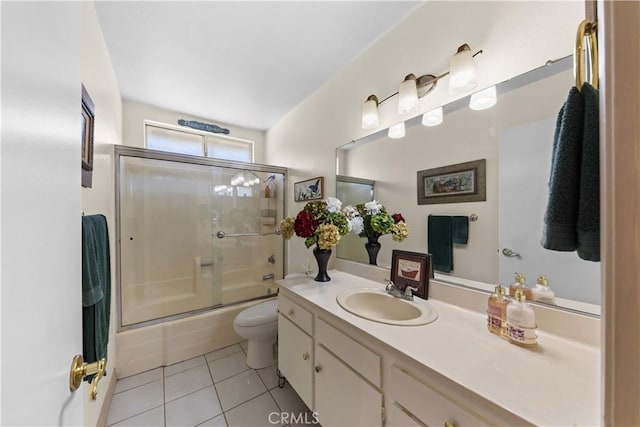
pixel 408 95
pixel 483 99
pixel 370 113
pixel 432 118
pixel 462 77
pixel 462 71
pixel 397 131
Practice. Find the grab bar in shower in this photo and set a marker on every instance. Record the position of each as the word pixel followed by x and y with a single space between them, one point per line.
pixel 221 234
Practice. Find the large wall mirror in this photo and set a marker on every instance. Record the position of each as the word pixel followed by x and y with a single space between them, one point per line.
pixel 515 137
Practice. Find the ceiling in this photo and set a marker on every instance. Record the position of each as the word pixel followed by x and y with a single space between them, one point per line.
pixel 236 62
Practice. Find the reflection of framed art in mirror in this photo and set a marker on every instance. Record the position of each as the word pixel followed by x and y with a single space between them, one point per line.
pixel 462 182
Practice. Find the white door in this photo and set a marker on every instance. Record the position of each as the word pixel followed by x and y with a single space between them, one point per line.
pixel 40 212
pixel 525 164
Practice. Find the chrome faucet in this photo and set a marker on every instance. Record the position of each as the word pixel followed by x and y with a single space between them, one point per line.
pixel 395 291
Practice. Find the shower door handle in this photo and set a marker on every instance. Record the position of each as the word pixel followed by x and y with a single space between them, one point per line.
pixel 221 234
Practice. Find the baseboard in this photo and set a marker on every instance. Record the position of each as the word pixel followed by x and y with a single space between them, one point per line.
pixel 104 411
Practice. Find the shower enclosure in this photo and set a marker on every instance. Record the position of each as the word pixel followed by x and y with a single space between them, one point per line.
pixel 194 233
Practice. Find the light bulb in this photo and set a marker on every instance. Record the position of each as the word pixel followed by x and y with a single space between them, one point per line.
pixel 462 71
pixel 433 117
pixel 484 99
pixel 408 95
pixel 397 131
pixel 370 113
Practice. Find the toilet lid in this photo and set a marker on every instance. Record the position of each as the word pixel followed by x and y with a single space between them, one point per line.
pixel 259 314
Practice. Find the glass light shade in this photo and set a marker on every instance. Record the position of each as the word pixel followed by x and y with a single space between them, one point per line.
pixel 484 99
pixel 397 131
pixel 462 71
pixel 370 118
pixel 408 95
pixel 433 117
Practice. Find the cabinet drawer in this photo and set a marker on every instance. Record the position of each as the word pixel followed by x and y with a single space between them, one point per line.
pixel 397 417
pixel 295 313
pixel 427 405
pixel 358 357
pixel 295 358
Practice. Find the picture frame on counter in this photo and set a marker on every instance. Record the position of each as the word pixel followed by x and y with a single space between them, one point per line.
pixel 412 269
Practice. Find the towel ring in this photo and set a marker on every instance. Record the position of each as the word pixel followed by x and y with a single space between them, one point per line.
pixel 587 30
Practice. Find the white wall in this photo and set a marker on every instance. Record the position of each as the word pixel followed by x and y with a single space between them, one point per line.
pixel 100 81
pixel 515 37
pixel 135 113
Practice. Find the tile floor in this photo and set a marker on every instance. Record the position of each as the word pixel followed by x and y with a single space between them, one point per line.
pixel 216 389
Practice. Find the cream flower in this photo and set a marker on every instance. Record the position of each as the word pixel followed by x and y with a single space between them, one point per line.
pixel 400 231
pixel 328 236
pixel 373 207
pixel 333 204
pixel 286 228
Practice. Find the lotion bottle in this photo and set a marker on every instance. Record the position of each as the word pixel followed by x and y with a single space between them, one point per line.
pixel 497 311
pixel 521 321
pixel 542 292
pixel 519 284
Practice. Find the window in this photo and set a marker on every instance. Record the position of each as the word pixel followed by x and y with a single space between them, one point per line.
pixel 175 139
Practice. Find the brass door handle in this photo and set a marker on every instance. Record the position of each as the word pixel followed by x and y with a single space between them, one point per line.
pixel 449 424
pixel 305 356
pixel 80 369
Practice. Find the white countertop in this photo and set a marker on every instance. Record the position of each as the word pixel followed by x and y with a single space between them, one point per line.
pixel 556 383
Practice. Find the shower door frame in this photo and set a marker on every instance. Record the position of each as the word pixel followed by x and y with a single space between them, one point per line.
pixel 144 153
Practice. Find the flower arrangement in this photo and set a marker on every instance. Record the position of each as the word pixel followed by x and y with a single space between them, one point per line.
pixel 320 222
pixel 371 220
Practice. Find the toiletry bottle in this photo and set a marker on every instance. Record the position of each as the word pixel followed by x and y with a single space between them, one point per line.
pixel 542 292
pixel 519 285
pixel 521 320
pixel 497 310
pixel 267 191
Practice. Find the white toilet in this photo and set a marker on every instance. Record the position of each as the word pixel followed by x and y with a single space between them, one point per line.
pixel 259 325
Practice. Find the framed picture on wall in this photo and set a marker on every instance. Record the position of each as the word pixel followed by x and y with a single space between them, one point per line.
pixel 311 189
pixel 87 123
pixel 411 269
pixel 462 182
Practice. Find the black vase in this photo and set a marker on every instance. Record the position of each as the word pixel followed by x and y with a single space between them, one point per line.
pixel 373 247
pixel 322 258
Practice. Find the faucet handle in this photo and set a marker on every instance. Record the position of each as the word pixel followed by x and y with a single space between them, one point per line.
pixel 390 284
pixel 408 292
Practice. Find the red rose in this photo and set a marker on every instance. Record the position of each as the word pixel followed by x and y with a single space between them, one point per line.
pixel 397 217
pixel 304 225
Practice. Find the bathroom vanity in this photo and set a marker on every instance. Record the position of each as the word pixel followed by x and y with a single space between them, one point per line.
pixel 451 372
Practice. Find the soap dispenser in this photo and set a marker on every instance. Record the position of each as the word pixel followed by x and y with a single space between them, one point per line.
pixel 497 311
pixel 521 320
pixel 542 292
pixel 519 284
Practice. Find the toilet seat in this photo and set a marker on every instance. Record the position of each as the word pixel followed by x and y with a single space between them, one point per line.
pixel 258 315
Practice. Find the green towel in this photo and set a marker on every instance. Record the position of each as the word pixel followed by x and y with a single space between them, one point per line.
pixel 588 226
pixel 440 242
pixel 460 229
pixel 96 288
pixel 561 217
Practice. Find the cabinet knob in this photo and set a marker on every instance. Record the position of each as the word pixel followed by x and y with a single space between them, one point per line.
pixel 449 424
pixel 305 356
pixel 319 368
pixel 291 312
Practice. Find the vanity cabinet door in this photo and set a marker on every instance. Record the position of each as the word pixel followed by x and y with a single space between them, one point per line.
pixel 344 398
pixel 295 358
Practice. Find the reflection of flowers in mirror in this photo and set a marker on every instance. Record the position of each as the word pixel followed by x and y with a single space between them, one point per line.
pixel 319 222
pixel 372 220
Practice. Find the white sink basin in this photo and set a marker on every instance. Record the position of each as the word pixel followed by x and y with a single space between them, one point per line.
pixel 376 305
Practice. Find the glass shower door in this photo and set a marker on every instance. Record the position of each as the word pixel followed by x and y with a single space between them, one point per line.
pixel 166 248
pixel 247 209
